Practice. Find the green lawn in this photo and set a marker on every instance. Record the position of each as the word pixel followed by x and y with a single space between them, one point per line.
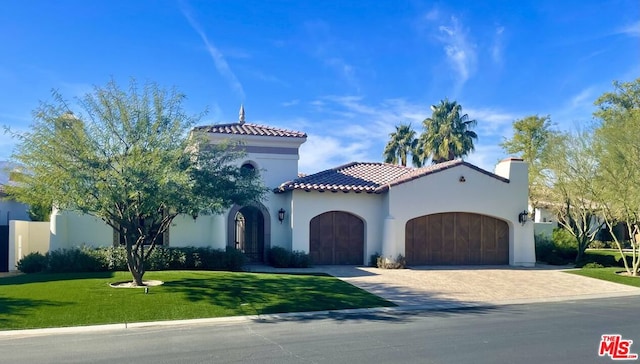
pixel 608 274
pixel 58 300
pixel 606 252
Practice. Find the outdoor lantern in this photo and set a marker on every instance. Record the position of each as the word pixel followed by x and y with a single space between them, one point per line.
pixel 522 217
pixel 281 215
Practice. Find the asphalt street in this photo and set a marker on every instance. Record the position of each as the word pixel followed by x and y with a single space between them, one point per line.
pixel 562 332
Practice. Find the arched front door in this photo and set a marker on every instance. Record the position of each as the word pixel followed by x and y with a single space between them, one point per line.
pixel 249 233
pixel 336 237
pixel 456 238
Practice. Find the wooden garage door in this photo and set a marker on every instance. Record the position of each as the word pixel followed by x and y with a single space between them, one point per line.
pixel 336 237
pixel 456 238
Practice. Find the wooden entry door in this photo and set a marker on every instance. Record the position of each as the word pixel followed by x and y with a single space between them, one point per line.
pixel 249 234
pixel 336 237
pixel 456 238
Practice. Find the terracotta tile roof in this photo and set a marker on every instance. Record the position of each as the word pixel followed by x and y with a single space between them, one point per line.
pixel 369 177
pixel 250 129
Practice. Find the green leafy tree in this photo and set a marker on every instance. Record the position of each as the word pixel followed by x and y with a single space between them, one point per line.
pixel 618 189
pixel 532 141
pixel 573 197
pixel 128 158
pixel 447 133
pixel 40 211
pixel 402 143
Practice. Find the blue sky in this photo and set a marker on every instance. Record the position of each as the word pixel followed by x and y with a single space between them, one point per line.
pixel 345 72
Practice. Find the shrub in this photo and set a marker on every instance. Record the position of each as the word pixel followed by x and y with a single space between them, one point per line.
pixel 32 263
pixel 299 259
pixel 114 257
pixel 234 259
pixel 597 244
pixel 565 244
pixel 73 260
pixel 86 259
pixel 600 259
pixel 166 259
pixel 282 258
pixel 546 251
pixel 373 259
pixel 279 257
pixel 593 265
pixel 386 263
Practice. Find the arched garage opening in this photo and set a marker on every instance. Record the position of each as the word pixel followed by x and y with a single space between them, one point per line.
pixel 336 237
pixel 456 238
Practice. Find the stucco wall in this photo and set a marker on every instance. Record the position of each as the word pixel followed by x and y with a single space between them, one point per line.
pixel 27 237
pixel 479 193
pixel 280 231
pixel 205 230
pixel 70 229
pixel 274 168
pixel 544 215
pixel 544 228
pixel 368 207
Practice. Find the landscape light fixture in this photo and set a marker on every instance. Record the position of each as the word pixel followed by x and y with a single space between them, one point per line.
pixel 523 217
pixel 281 215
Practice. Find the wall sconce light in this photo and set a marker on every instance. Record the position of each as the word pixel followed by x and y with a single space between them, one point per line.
pixel 281 215
pixel 461 179
pixel 194 215
pixel 523 217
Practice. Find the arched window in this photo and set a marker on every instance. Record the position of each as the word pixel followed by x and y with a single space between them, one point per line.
pixel 249 166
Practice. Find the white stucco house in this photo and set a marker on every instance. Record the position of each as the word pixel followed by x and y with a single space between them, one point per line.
pixel 10 210
pixel 448 213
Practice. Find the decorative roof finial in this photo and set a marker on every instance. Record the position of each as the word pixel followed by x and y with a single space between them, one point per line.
pixel 241 115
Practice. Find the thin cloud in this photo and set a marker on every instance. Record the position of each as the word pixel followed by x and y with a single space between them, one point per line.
pixel 492 122
pixel 632 30
pixel 290 103
pixel 324 152
pixel 329 50
pixel 345 69
pixel 459 50
pixel 218 58
pixel 350 128
pixel 486 156
pixel 432 15
pixel 577 108
pixel 497 47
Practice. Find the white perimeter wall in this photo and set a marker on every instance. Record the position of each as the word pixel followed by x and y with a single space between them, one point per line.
pixel 70 229
pixel 27 237
pixel 368 207
pixel 207 230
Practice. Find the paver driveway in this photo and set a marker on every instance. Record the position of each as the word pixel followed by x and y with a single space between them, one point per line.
pixel 476 285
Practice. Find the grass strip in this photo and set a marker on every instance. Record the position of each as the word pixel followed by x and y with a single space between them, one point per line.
pixel 608 274
pixel 60 300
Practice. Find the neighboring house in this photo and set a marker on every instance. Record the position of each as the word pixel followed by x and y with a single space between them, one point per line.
pixel 546 220
pixel 448 213
pixel 10 210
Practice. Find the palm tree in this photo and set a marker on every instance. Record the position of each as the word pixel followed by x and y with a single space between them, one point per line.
pixel 402 143
pixel 447 134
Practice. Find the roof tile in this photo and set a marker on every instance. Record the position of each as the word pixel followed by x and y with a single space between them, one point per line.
pixel 369 177
pixel 250 129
